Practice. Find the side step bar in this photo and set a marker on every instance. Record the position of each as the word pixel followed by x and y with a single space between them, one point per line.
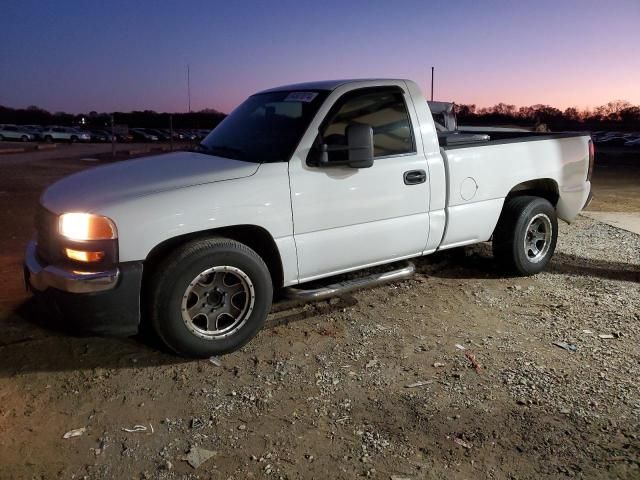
pixel 340 288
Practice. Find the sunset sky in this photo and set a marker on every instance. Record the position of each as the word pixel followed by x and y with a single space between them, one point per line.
pixel 132 55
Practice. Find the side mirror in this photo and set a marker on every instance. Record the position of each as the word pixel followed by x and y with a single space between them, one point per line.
pixel 359 149
pixel 360 145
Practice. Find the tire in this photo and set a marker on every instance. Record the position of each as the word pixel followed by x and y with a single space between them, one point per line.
pixel 74 139
pixel 24 138
pixel 232 282
pixel 1 138
pixel 48 139
pixel 526 235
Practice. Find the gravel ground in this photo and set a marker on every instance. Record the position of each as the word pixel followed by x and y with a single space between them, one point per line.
pixel 452 374
pixel 369 385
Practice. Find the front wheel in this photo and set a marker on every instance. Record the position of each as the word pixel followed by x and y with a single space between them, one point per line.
pixel 210 297
pixel 525 238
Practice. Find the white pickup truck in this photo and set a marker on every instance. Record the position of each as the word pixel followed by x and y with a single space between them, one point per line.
pixel 299 183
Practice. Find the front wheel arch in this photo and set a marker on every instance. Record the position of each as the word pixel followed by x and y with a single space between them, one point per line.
pixel 253 236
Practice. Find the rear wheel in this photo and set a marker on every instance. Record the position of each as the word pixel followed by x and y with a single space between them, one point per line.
pixel 48 139
pixel 525 238
pixel 210 297
pixel 24 138
pixel 1 138
pixel 74 139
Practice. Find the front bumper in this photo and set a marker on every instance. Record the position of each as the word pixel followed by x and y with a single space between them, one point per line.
pixel 42 277
pixel 105 302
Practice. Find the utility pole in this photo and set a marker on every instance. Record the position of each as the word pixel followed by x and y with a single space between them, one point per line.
pixel 171 133
pixel 113 138
pixel 432 69
pixel 189 87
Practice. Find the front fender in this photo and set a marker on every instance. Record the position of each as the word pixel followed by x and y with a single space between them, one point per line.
pixel 262 200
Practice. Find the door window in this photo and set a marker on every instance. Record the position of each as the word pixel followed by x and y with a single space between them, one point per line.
pixel 382 108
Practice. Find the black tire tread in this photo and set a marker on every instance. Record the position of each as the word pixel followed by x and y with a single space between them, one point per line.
pixel 173 260
pixel 504 247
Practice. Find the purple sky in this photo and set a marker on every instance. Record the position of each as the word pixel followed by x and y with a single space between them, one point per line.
pixel 126 55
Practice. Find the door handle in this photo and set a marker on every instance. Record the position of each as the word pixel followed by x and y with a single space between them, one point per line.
pixel 414 177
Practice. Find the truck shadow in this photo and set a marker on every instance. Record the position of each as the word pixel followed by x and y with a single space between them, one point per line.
pixel 36 342
pixel 285 312
pixel 478 262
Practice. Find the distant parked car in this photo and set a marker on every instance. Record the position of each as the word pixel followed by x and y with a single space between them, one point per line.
pixel 614 138
pixel 141 134
pixel 99 136
pixel 13 132
pixel 158 133
pixel 64 134
pixel 121 136
pixel 175 134
pixel 124 137
pixel 187 134
pixel 602 136
pixel 35 130
pixel 195 135
pixel 109 135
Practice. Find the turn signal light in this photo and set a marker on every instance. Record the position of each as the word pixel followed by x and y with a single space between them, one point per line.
pixel 82 256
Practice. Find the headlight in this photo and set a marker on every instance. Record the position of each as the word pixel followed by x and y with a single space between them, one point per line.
pixel 85 226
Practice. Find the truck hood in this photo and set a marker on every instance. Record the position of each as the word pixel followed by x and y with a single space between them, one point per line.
pixel 98 187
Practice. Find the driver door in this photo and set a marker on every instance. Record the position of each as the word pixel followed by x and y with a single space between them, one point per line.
pixel 347 218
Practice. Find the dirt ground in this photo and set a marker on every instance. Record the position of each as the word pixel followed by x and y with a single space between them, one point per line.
pixel 616 181
pixel 380 383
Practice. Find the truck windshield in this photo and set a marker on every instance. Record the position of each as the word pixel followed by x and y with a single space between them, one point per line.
pixel 264 128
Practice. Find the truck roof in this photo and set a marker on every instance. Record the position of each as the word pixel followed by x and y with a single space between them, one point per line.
pixel 327 84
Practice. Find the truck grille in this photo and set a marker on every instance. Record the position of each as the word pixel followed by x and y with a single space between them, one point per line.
pixel 49 249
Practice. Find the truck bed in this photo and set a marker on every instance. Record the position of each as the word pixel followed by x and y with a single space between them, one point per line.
pixel 480 175
pixel 477 138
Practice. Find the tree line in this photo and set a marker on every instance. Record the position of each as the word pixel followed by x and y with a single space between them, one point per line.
pixel 34 115
pixel 618 115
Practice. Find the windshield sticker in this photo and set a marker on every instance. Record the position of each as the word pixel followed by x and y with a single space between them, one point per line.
pixel 305 97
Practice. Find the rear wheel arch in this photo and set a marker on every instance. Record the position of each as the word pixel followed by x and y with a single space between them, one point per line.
pixel 546 188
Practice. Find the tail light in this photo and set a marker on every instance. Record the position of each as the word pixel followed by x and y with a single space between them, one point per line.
pixel 592 158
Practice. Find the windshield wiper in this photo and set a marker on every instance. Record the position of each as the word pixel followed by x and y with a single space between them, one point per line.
pixel 223 151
